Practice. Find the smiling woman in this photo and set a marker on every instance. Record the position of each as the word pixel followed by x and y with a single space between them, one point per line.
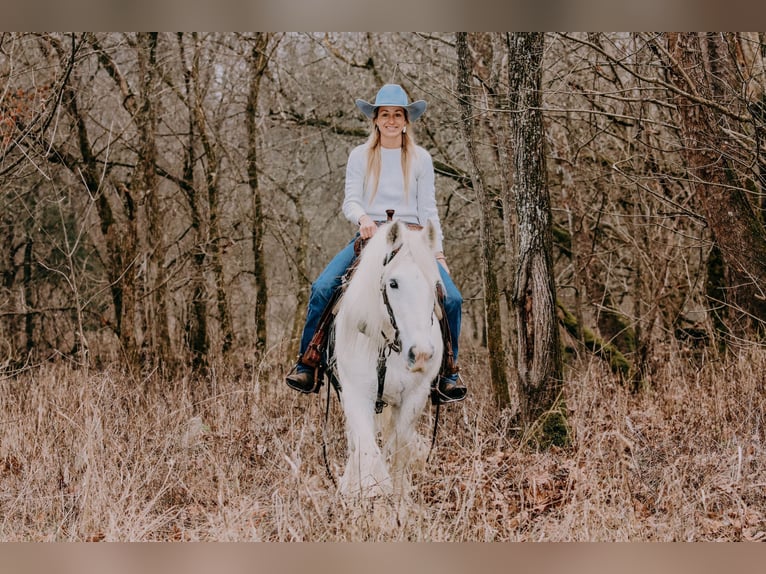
pixel 391 122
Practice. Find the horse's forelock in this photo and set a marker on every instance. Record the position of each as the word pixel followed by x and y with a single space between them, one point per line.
pixel 421 244
pixel 418 245
pixel 362 296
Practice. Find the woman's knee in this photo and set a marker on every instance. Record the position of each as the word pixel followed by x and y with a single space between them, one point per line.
pixel 453 300
pixel 321 291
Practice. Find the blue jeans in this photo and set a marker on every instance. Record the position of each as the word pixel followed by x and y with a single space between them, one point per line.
pixel 330 279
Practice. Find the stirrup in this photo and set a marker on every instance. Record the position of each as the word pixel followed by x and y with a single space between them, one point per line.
pixel 439 398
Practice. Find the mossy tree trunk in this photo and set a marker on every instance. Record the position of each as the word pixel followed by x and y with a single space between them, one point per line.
pixel 539 362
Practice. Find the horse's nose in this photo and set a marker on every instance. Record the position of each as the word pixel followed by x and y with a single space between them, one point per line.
pixel 418 357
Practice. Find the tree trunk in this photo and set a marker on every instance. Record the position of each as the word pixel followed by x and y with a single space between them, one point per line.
pixel 500 136
pixel 758 111
pixel 197 336
pixel 301 267
pixel 258 63
pixel 491 294
pixel 211 167
pixel 29 324
pixel 159 344
pixel 121 242
pixel 539 355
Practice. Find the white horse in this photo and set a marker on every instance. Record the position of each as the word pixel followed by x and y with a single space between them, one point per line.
pixel 387 327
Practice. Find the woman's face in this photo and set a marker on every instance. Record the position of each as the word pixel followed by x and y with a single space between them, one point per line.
pixel 390 121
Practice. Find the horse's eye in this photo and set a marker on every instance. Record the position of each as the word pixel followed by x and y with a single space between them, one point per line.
pixel 393 284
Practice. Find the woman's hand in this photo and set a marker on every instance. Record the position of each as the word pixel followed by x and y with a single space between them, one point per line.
pixel 443 262
pixel 367 227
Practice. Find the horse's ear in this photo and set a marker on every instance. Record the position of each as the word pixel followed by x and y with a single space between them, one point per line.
pixel 430 231
pixel 394 234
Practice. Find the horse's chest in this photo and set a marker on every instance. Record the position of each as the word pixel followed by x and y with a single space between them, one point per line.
pixel 400 382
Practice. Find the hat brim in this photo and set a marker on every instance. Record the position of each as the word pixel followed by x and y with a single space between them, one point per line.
pixel 414 110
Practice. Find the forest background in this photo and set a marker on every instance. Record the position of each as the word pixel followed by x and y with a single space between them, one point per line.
pixel 168 198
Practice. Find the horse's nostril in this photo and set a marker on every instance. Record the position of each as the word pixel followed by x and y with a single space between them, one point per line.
pixel 418 358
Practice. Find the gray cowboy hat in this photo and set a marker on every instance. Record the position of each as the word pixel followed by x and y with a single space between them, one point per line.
pixel 393 95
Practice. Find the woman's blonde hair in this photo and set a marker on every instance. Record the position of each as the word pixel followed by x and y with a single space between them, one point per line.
pixel 372 175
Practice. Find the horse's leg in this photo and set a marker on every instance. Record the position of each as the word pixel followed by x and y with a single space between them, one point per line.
pixel 404 447
pixel 366 470
pixel 396 445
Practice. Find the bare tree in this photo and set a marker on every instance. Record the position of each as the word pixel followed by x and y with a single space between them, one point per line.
pixel 178 165
pixel 703 67
pixel 495 343
pixel 258 60
pixel 158 344
pixel 539 356
pixel 119 232
pixel 196 328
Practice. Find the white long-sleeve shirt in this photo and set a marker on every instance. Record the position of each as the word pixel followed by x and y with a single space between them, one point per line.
pixel 420 205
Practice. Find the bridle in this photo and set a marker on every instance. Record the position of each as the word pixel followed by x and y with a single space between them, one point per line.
pixel 392 344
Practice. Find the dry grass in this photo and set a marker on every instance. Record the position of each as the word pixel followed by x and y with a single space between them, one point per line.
pixel 102 456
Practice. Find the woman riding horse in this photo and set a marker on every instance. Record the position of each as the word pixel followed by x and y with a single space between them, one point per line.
pixel 389 171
